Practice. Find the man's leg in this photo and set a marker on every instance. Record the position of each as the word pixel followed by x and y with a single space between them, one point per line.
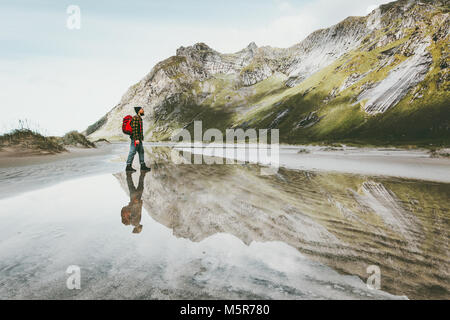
pixel 131 154
pixel 140 149
pixel 141 157
pixel 130 183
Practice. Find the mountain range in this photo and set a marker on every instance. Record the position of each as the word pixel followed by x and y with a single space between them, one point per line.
pixel 381 79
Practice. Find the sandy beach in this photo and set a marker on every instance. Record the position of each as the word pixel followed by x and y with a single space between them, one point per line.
pixel 14 158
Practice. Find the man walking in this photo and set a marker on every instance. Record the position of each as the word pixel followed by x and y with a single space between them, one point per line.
pixel 131 213
pixel 137 137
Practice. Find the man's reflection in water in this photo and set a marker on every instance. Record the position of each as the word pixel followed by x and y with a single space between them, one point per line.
pixel 131 214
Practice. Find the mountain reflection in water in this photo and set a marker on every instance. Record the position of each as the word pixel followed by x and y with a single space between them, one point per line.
pixel 347 222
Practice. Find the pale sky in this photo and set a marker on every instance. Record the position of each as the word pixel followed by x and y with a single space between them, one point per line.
pixel 61 79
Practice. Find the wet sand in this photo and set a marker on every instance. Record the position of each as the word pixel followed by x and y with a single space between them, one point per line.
pixel 411 164
pixel 19 175
pixel 14 158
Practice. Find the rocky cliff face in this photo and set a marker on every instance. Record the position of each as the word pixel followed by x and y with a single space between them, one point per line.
pixel 357 77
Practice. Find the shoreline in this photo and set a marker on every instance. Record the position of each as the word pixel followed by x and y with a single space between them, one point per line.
pixel 412 146
pixel 21 158
pixel 408 164
pixel 418 164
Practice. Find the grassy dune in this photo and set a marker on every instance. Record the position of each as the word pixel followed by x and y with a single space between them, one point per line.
pixel 25 141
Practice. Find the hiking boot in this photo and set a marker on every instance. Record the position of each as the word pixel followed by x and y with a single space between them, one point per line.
pixel 144 167
pixel 129 168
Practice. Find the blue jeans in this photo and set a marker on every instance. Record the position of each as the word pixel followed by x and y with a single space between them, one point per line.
pixel 140 149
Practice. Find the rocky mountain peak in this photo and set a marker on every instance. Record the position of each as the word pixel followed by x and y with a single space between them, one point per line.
pixel 252 46
pixel 195 50
pixel 397 53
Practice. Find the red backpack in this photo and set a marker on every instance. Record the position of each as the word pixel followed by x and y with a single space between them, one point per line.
pixel 126 125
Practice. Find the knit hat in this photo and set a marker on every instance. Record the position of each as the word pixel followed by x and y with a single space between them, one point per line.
pixel 137 109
